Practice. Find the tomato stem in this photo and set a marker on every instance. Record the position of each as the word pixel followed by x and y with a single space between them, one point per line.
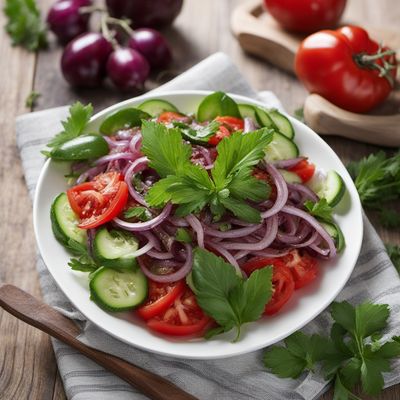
pixel 365 60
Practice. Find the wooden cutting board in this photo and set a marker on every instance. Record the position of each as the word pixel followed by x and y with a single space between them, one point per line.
pixel 259 34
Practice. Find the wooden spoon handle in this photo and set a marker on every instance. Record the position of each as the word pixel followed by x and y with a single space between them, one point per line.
pixel 38 314
pixel 325 118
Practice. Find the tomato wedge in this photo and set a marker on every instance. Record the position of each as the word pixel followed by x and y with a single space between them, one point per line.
pixel 169 116
pixel 184 317
pixel 303 267
pixel 228 125
pixel 304 169
pixel 161 296
pixel 100 200
pixel 282 281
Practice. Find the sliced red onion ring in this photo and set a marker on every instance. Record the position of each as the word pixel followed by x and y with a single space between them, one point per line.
pixel 304 190
pixel 269 237
pixel 144 226
pixel 135 144
pixel 249 125
pixel 315 224
pixel 175 276
pixel 137 165
pixel 311 240
pixel 177 221
pixel 90 173
pixel 284 164
pixel 114 157
pixel 323 252
pixel 142 250
pixel 160 255
pixel 153 239
pixel 233 233
pixel 281 189
pixel 270 253
pixel 198 228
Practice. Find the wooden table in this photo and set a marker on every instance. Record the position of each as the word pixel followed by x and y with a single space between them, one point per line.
pixel 27 363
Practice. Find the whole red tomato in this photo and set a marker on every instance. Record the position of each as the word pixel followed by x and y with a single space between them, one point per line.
pixel 347 68
pixel 306 16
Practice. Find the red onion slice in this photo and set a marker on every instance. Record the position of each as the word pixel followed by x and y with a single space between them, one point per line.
pixel 160 255
pixel 233 233
pixel 138 165
pixel 315 224
pixel 269 237
pixel 249 125
pixel 144 226
pixel 281 189
pixel 284 164
pixel 307 193
pixel 175 276
pixel 225 254
pixel 198 229
pixel 114 157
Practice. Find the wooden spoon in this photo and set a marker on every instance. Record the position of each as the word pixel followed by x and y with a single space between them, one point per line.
pixel 259 34
pixel 38 314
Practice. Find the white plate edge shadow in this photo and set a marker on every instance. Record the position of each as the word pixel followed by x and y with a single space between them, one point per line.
pixel 218 347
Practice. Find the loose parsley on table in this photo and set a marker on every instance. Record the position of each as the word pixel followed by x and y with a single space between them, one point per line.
pixel 353 354
pixel 24 24
pixel 231 182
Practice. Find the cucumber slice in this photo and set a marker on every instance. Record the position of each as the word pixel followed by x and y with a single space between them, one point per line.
pixel 155 107
pixel 248 111
pixel 281 148
pixel 332 189
pixel 118 290
pixel 114 248
pixel 264 119
pixel 123 119
pixel 290 177
pixel 282 123
pixel 217 104
pixel 336 234
pixel 64 222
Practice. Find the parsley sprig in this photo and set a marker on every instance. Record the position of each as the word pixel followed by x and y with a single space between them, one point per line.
pixel 229 299
pixel 83 262
pixel 354 353
pixel 231 182
pixel 24 24
pixel 320 209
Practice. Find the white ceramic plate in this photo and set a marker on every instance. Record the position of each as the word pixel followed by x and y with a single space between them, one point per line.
pixel 306 304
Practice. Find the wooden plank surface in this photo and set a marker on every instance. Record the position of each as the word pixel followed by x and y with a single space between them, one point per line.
pixel 27 365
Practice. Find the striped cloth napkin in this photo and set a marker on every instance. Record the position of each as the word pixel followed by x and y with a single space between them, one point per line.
pixel 237 378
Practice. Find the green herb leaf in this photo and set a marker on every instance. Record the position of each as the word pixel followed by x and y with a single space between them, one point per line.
pixel 201 134
pixel 241 210
pixel 223 295
pixel 283 363
pixel 24 24
pixel 182 235
pixel 321 209
pixel 30 101
pixel 74 126
pixel 83 264
pixel 394 254
pixel 141 213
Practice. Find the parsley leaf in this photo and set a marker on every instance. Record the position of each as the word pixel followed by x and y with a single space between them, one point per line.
pixel 74 126
pixel 182 235
pixel 191 187
pixel 376 177
pixel 394 254
pixel 199 134
pixel 30 101
pixel 321 209
pixel 353 354
pixel 141 213
pixel 223 295
pixel 83 264
pixel 24 24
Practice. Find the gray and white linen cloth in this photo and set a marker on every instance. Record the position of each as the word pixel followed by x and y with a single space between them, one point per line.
pixel 237 378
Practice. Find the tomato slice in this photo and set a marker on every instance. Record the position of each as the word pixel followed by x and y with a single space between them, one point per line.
pixel 100 200
pixel 282 281
pixel 222 133
pixel 265 176
pixel 233 123
pixel 161 296
pixel 184 317
pixel 303 267
pixel 169 116
pixel 304 169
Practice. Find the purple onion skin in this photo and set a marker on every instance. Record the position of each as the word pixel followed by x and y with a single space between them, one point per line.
pixel 127 69
pixel 146 13
pixel 152 45
pixel 65 20
pixel 83 63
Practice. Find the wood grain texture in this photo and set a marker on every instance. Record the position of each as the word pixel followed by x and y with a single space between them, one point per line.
pixel 27 366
